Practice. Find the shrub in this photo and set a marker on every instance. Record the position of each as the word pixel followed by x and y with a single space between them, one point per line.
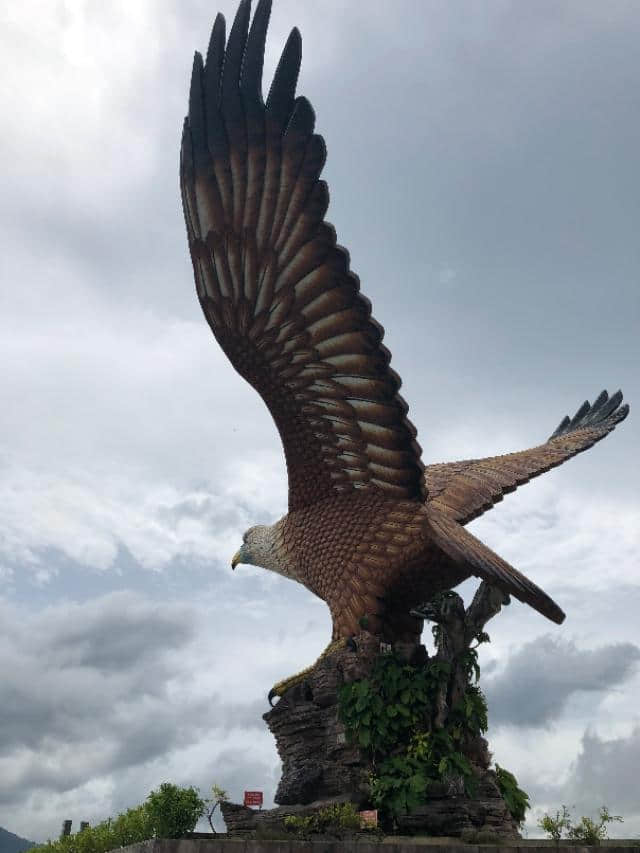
pixel 337 818
pixel 174 811
pixel 553 826
pixel 590 832
pixel 132 826
pixel 389 716
pixel 171 810
pixel 587 831
pixel 516 799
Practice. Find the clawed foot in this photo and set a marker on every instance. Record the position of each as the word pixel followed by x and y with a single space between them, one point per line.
pixel 281 687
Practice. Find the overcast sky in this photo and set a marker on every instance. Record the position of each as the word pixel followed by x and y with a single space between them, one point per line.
pixel 483 169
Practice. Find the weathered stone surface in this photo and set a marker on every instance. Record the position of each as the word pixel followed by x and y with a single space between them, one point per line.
pixel 241 820
pixel 451 815
pixel 319 766
pixel 317 762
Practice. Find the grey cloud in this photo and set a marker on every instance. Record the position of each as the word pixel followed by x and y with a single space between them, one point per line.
pixel 113 635
pixel 88 686
pixel 605 772
pixel 539 679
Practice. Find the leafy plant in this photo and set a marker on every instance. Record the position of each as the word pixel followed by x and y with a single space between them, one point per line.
pixel 337 818
pixel 516 799
pixel 399 786
pixel 128 828
pixel 590 832
pixel 587 831
pixel 470 713
pixel 219 795
pixel 173 810
pixel 389 716
pixel 381 711
pixel 554 826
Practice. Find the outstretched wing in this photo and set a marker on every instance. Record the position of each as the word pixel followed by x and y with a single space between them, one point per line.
pixel 469 552
pixel 464 490
pixel 274 286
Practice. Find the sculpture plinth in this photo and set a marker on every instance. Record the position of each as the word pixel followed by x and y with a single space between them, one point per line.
pixel 321 765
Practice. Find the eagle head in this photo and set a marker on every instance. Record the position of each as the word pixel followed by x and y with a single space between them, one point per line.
pixel 260 548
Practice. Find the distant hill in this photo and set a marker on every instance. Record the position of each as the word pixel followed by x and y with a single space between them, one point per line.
pixel 10 843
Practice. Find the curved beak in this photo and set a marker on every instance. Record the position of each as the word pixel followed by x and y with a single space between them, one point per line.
pixel 237 558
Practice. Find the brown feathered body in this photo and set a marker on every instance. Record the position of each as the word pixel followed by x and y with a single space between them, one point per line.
pixel 370 530
pixel 369 557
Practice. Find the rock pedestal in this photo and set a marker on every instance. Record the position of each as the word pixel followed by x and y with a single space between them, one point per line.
pixel 320 766
pixel 317 761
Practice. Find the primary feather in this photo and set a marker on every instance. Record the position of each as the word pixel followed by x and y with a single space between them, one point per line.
pixel 274 286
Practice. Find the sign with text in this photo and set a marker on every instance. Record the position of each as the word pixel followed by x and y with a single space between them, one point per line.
pixel 369 818
pixel 253 798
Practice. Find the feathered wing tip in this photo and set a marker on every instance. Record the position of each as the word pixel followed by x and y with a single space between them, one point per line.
pixel 462 547
pixel 470 487
pixel 273 283
pixel 589 415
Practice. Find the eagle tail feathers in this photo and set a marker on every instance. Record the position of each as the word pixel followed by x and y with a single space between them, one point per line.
pixel 466 550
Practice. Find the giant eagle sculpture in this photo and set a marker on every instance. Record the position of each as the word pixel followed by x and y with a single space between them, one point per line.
pixel 370 529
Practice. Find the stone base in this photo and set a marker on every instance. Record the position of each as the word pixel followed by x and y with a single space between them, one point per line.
pixel 317 762
pixel 444 814
pixel 241 820
pixel 320 768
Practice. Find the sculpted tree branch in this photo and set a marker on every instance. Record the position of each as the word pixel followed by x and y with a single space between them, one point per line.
pixel 456 630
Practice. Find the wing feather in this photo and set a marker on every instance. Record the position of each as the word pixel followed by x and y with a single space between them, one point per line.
pixel 466 489
pixel 273 283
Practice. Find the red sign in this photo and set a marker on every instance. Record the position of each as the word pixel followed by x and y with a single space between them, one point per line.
pixel 253 798
pixel 369 818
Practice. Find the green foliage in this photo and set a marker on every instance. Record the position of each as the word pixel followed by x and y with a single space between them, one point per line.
pixel 174 810
pixel 399 785
pixel 554 826
pixel 218 795
pixel 469 714
pixel 384 710
pixel 590 832
pixel 389 716
pixel 128 828
pixel 337 819
pixel 587 831
pixel 170 810
pixel 516 799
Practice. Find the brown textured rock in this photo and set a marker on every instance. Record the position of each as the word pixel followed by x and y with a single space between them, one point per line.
pixel 451 815
pixel 241 820
pixel 319 767
pixel 317 762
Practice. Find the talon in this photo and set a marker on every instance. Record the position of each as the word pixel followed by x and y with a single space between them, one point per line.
pixel 282 686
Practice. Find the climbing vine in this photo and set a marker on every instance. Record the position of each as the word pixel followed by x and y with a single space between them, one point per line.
pixel 515 798
pixel 389 715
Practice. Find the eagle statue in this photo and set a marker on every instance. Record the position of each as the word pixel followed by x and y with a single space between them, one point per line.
pixel 370 529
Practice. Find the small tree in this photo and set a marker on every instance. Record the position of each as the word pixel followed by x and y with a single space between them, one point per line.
pixel 553 826
pixel 590 832
pixel 586 831
pixel 173 810
pixel 219 796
